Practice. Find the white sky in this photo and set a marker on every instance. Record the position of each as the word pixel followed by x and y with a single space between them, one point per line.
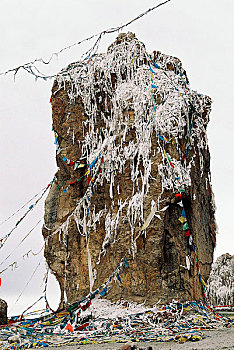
pixel 200 33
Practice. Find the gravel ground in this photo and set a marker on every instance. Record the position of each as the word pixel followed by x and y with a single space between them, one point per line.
pixel 215 340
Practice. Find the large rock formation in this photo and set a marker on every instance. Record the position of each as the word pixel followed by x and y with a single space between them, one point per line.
pixel 131 207
pixel 220 289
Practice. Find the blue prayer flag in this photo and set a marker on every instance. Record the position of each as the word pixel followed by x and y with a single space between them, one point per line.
pixel 126 264
pixel 156 66
pixel 161 138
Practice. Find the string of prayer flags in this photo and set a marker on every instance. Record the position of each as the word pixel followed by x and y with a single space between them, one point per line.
pixel 4 239
pixel 187 234
pixel 77 164
pixel 32 69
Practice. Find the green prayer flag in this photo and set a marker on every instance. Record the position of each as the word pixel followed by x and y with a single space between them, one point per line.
pixel 185 226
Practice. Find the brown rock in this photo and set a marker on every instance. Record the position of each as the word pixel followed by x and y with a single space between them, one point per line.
pixel 3 312
pixel 128 346
pixel 104 119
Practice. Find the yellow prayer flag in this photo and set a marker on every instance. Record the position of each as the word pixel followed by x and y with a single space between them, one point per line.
pixel 182 219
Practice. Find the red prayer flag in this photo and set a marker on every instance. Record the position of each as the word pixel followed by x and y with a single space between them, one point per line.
pixel 69 327
pixel 178 195
pixel 72 163
pixel 187 233
pixel 51 99
pixel 80 328
pixel 89 179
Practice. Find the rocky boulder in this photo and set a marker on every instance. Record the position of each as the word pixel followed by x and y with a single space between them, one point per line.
pixel 3 312
pixel 131 211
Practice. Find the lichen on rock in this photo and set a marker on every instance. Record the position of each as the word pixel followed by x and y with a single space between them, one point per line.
pixel 130 135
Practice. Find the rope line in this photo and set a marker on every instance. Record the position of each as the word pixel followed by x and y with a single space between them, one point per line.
pixel 28 67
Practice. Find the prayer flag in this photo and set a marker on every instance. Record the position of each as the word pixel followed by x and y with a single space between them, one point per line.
pixel 156 66
pixel 126 264
pixel 161 138
pixel 182 219
pixel 118 277
pixel 185 226
pixel 103 292
pixel 69 327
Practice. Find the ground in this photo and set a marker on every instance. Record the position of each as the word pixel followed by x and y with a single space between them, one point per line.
pixel 215 340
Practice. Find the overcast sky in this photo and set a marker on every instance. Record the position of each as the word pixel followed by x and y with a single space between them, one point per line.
pixel 200 33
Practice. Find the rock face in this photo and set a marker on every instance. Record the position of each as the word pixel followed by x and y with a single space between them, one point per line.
pixel 3 312
pixel 220 289
pixel 131 210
